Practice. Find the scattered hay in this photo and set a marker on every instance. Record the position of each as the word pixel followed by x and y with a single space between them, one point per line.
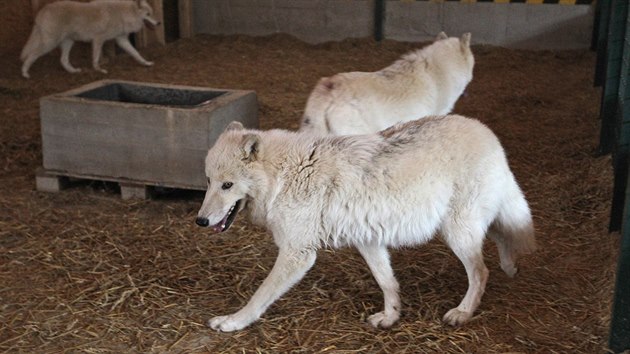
pixel 84 271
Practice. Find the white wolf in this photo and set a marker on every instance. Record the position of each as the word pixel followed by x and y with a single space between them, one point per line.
pixel 62 23
pixel 445 174
pixel 425 82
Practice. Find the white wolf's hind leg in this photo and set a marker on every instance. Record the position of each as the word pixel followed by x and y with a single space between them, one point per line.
pixel 123 42
pixel 30 59
pixel 377 258
pixel 466 241
pixel 288 270
pixel 66 45
pixel 506 256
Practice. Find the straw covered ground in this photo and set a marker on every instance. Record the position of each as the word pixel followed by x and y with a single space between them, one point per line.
pixel 84 271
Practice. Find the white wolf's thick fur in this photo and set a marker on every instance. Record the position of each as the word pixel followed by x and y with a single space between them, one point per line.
pixel 62 23
pixel 425 82
pixel 399 187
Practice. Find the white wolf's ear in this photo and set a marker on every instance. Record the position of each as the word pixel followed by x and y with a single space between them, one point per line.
pixel 440 36
pixel 234 125
pixel 250 147
pixel 464 41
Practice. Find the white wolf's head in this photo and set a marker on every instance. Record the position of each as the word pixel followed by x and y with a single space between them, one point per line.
pixel 231 177
pixel 456 50
pixel 146 12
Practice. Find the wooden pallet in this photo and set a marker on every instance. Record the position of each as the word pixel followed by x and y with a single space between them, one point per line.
pixel 55 181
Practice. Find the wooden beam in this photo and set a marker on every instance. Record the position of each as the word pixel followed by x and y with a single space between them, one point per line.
pixel 148 36
pixel 186 29
pixel 35 5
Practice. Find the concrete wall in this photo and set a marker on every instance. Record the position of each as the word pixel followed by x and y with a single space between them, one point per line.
pixel 513 25
pixel 310 20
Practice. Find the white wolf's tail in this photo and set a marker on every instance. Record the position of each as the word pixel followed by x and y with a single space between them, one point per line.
pixel 34 41
pixel 513 229
pixel 319 101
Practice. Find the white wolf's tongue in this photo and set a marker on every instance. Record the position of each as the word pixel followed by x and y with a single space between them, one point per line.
pixel 220 226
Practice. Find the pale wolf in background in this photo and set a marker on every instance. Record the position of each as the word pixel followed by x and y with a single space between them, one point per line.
pixel 62 23
pixel 425 82
pixel 442 174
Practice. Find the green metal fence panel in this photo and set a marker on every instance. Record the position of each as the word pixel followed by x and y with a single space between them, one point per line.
pixel 619 340
pixel 614 136
pixel 610 52
pixel 615 139
pixel 598 41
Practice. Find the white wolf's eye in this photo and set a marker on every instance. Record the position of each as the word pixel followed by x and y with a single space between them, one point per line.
pixel 208 180
pixel 226 185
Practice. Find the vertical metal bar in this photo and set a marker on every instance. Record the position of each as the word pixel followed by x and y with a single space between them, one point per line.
pixel 600 36
pixel 610 78
pixel 619 340
pixel 379 19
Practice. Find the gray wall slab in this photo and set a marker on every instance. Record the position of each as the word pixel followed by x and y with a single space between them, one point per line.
pixel 551 26
pixel 514 25
pixel 522 26
pixel 486 21
pixel 412 23
pixel 312 21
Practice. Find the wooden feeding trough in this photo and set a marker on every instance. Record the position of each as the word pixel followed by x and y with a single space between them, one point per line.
pixel 137 134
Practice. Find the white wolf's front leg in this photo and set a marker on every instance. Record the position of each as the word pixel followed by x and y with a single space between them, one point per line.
pixel 288 270
pixel 97 47
pixel 123 42
pixel 377 258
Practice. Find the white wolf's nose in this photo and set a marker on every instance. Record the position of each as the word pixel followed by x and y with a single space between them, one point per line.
pixel 203 222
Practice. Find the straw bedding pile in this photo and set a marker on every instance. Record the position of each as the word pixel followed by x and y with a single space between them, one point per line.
pixel 84 271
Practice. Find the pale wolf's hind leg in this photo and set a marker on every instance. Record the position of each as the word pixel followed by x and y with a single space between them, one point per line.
pixel 66 45
pixel 30 59
pixel 377 258
pixel 466 241
pixel 123 42
pixel 506 256
pixel 513 230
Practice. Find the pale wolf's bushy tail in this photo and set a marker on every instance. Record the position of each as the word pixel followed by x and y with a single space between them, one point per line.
pixel 513 229
pixel 33 42
pixel 319 101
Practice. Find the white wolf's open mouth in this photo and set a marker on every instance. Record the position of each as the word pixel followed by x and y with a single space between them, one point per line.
pixel 225 223
pixel 151 23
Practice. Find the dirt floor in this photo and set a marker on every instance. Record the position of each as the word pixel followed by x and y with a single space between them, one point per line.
pixel 84 271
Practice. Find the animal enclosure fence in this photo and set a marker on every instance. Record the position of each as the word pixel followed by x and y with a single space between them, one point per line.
pixel 613 72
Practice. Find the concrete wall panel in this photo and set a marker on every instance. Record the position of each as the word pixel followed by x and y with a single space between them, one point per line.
pixel 313 21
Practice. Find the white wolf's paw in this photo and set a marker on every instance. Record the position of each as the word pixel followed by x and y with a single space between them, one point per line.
pixel 456 317
pixel 383 319
pixel 225 324
pixel 509 269
pixel 148 63
pixel 74 70
pixel 26 75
